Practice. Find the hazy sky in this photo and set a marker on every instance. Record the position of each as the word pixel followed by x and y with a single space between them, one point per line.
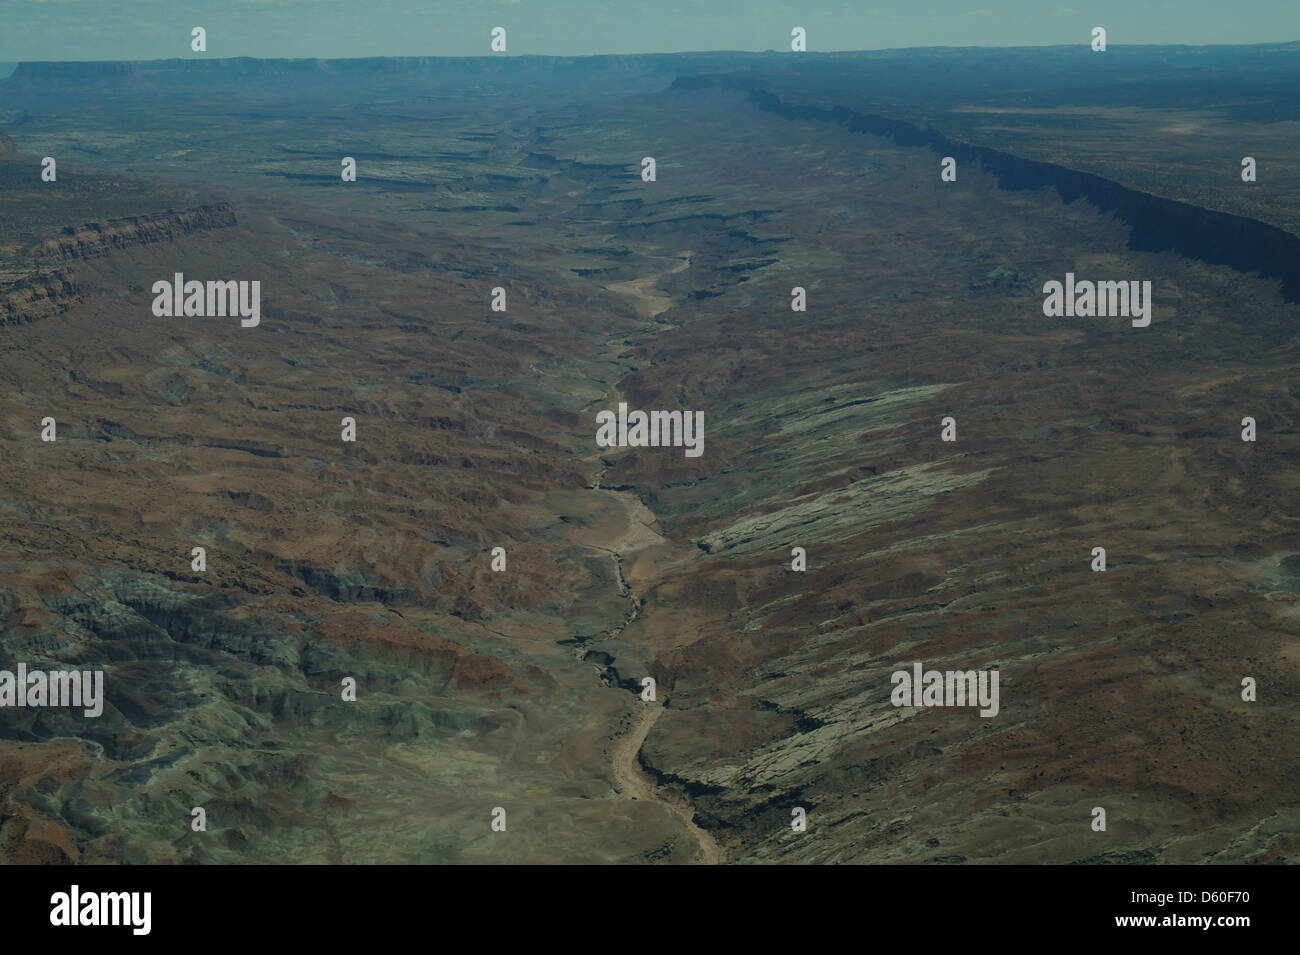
pixel 156 29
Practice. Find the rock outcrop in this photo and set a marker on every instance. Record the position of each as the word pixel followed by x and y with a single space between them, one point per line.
pixel 101 238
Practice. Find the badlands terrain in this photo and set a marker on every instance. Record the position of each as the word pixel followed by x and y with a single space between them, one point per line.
pixel 520 688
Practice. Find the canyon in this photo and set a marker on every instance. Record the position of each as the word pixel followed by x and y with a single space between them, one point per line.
pixel 372 560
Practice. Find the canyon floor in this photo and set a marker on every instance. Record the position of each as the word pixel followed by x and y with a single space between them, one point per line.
pixel 516 693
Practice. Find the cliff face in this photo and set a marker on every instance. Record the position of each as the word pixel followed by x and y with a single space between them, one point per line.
pixel 30 300
pixel 1157 224
pixel 52 288
pixel 96 239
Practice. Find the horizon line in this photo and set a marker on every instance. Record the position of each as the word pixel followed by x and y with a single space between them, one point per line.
pixel 593 56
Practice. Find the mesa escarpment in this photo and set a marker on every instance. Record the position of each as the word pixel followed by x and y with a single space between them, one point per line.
pixel 42 253
pixel 30 299
pixel 51 290
pixel 1157 223
pixel 93 239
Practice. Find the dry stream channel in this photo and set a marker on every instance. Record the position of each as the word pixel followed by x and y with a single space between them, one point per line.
pixel 637 522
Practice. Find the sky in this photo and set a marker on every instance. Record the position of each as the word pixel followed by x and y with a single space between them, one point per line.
pixel 160 29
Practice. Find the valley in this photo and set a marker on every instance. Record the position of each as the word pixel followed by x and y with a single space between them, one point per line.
pixel 478 688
